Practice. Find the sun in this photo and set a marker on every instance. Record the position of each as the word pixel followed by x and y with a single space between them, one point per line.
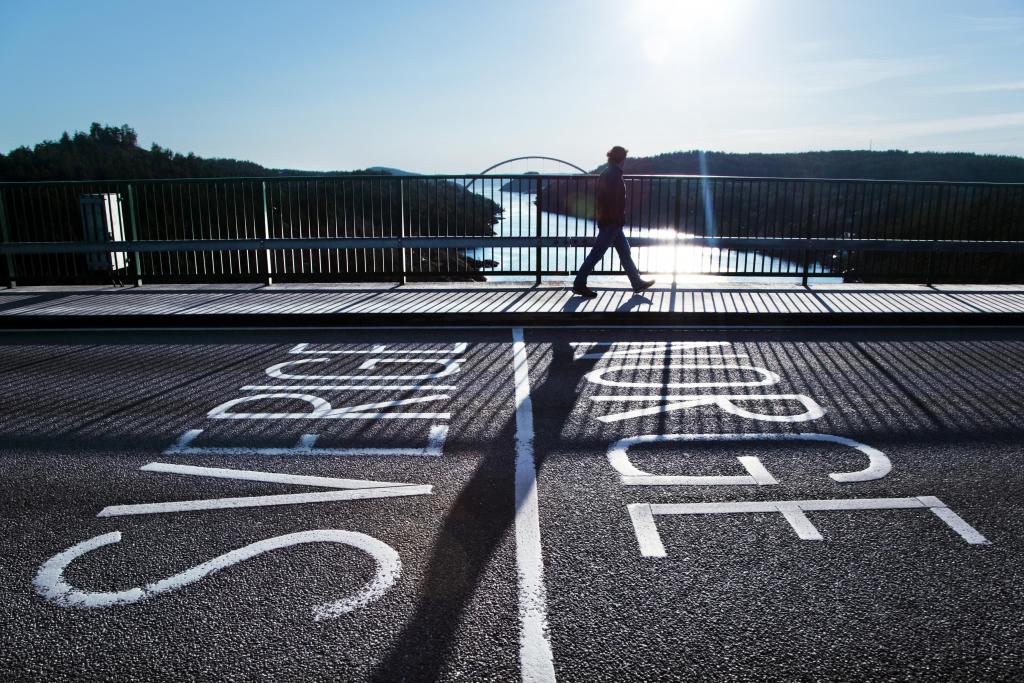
pixel 672 28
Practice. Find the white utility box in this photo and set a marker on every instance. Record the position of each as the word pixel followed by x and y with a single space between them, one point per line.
pixel 104 222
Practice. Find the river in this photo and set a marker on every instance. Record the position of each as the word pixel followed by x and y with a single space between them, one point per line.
pixel 689 263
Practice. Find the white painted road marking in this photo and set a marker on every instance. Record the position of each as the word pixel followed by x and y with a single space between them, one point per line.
pixel 350 387
pixel 535 657
pixel 649 540
pixel 378 349
pixel 49 581
pixel 353 489
pixel 306 447
pixel 727 402
pixel 322 409
pixel 451 366
pixel 878 464
pixel 640 349
pixel 597 376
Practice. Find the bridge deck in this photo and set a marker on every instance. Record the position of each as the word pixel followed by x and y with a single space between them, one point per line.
pixel 506 303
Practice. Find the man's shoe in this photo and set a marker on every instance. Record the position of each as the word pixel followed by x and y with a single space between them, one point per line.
pixel 642 285
pixel 584 291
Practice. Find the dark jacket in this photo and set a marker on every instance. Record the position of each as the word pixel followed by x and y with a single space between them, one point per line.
pixel 611 197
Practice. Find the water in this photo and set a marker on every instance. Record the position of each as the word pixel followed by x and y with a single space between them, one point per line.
pixel 688 263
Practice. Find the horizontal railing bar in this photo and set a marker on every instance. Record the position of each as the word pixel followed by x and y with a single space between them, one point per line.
pixel 731 243
pixel 502 176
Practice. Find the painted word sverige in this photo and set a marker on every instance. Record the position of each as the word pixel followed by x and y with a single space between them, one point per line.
pixel 51 584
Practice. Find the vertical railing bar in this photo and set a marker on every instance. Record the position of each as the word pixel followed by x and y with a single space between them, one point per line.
pixel 268 275
pixel 5 237
pixel 332 231
pixel 348 256
pixel 133 226
pixel 235 258
pixel 319 250
pixel 216 218
pixel 489 249
pixel 244 202
pixel 936 198
pixel 677 224
pixel 729 206
pixel 537 254
pixel 363 253
pixel 958 229
pixel 718 189
pixel 209 262
pixel 916 218
pixel 791 204
pixel 191 257
pixel 998 203
pixel 401 233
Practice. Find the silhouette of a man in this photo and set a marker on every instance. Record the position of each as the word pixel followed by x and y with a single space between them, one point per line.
pixel 611 216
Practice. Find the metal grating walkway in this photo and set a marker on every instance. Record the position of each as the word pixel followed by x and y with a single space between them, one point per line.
pixel 501 303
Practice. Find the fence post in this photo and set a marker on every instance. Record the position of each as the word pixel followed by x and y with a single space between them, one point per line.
pixel 807 231
pixel 677 223
pixel 930 275
pixel 269 279
pixel 136 256
pixel 537 256
pixel 401 232
pixel 5 237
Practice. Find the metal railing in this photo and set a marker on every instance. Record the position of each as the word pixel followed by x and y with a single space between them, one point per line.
pixel 383 227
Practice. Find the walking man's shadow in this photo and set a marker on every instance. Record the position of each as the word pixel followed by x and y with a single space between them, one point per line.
pixel 573 304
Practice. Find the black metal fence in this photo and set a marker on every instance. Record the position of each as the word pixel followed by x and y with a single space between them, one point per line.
pixel 383 227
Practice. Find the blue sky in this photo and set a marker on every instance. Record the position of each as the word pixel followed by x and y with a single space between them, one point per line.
pixel 455 86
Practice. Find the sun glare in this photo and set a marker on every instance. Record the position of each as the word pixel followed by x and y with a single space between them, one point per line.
pixel 676 27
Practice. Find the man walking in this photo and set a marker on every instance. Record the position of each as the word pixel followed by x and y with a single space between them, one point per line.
pixel 611 216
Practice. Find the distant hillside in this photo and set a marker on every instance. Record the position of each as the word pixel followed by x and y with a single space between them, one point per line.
pixel 888 165
pixel 855 209
pixel 524 185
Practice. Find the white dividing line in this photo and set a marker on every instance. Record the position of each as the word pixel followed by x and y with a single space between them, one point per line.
pixel 535 658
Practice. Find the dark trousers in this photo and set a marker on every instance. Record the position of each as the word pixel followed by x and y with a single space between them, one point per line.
pixel 608 235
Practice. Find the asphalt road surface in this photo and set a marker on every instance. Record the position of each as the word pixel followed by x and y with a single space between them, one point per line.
pixel 499 504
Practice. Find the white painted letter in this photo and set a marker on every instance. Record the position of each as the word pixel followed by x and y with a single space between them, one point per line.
pixel 794 511
pixel 451 366
pixel 322 410
pixel 878 464
pixel 597 376
pixel 50 583
pixel 728 403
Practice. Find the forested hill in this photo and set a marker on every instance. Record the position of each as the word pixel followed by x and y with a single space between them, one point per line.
pixel 113 153
pixel 109 153
pixel 889 165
